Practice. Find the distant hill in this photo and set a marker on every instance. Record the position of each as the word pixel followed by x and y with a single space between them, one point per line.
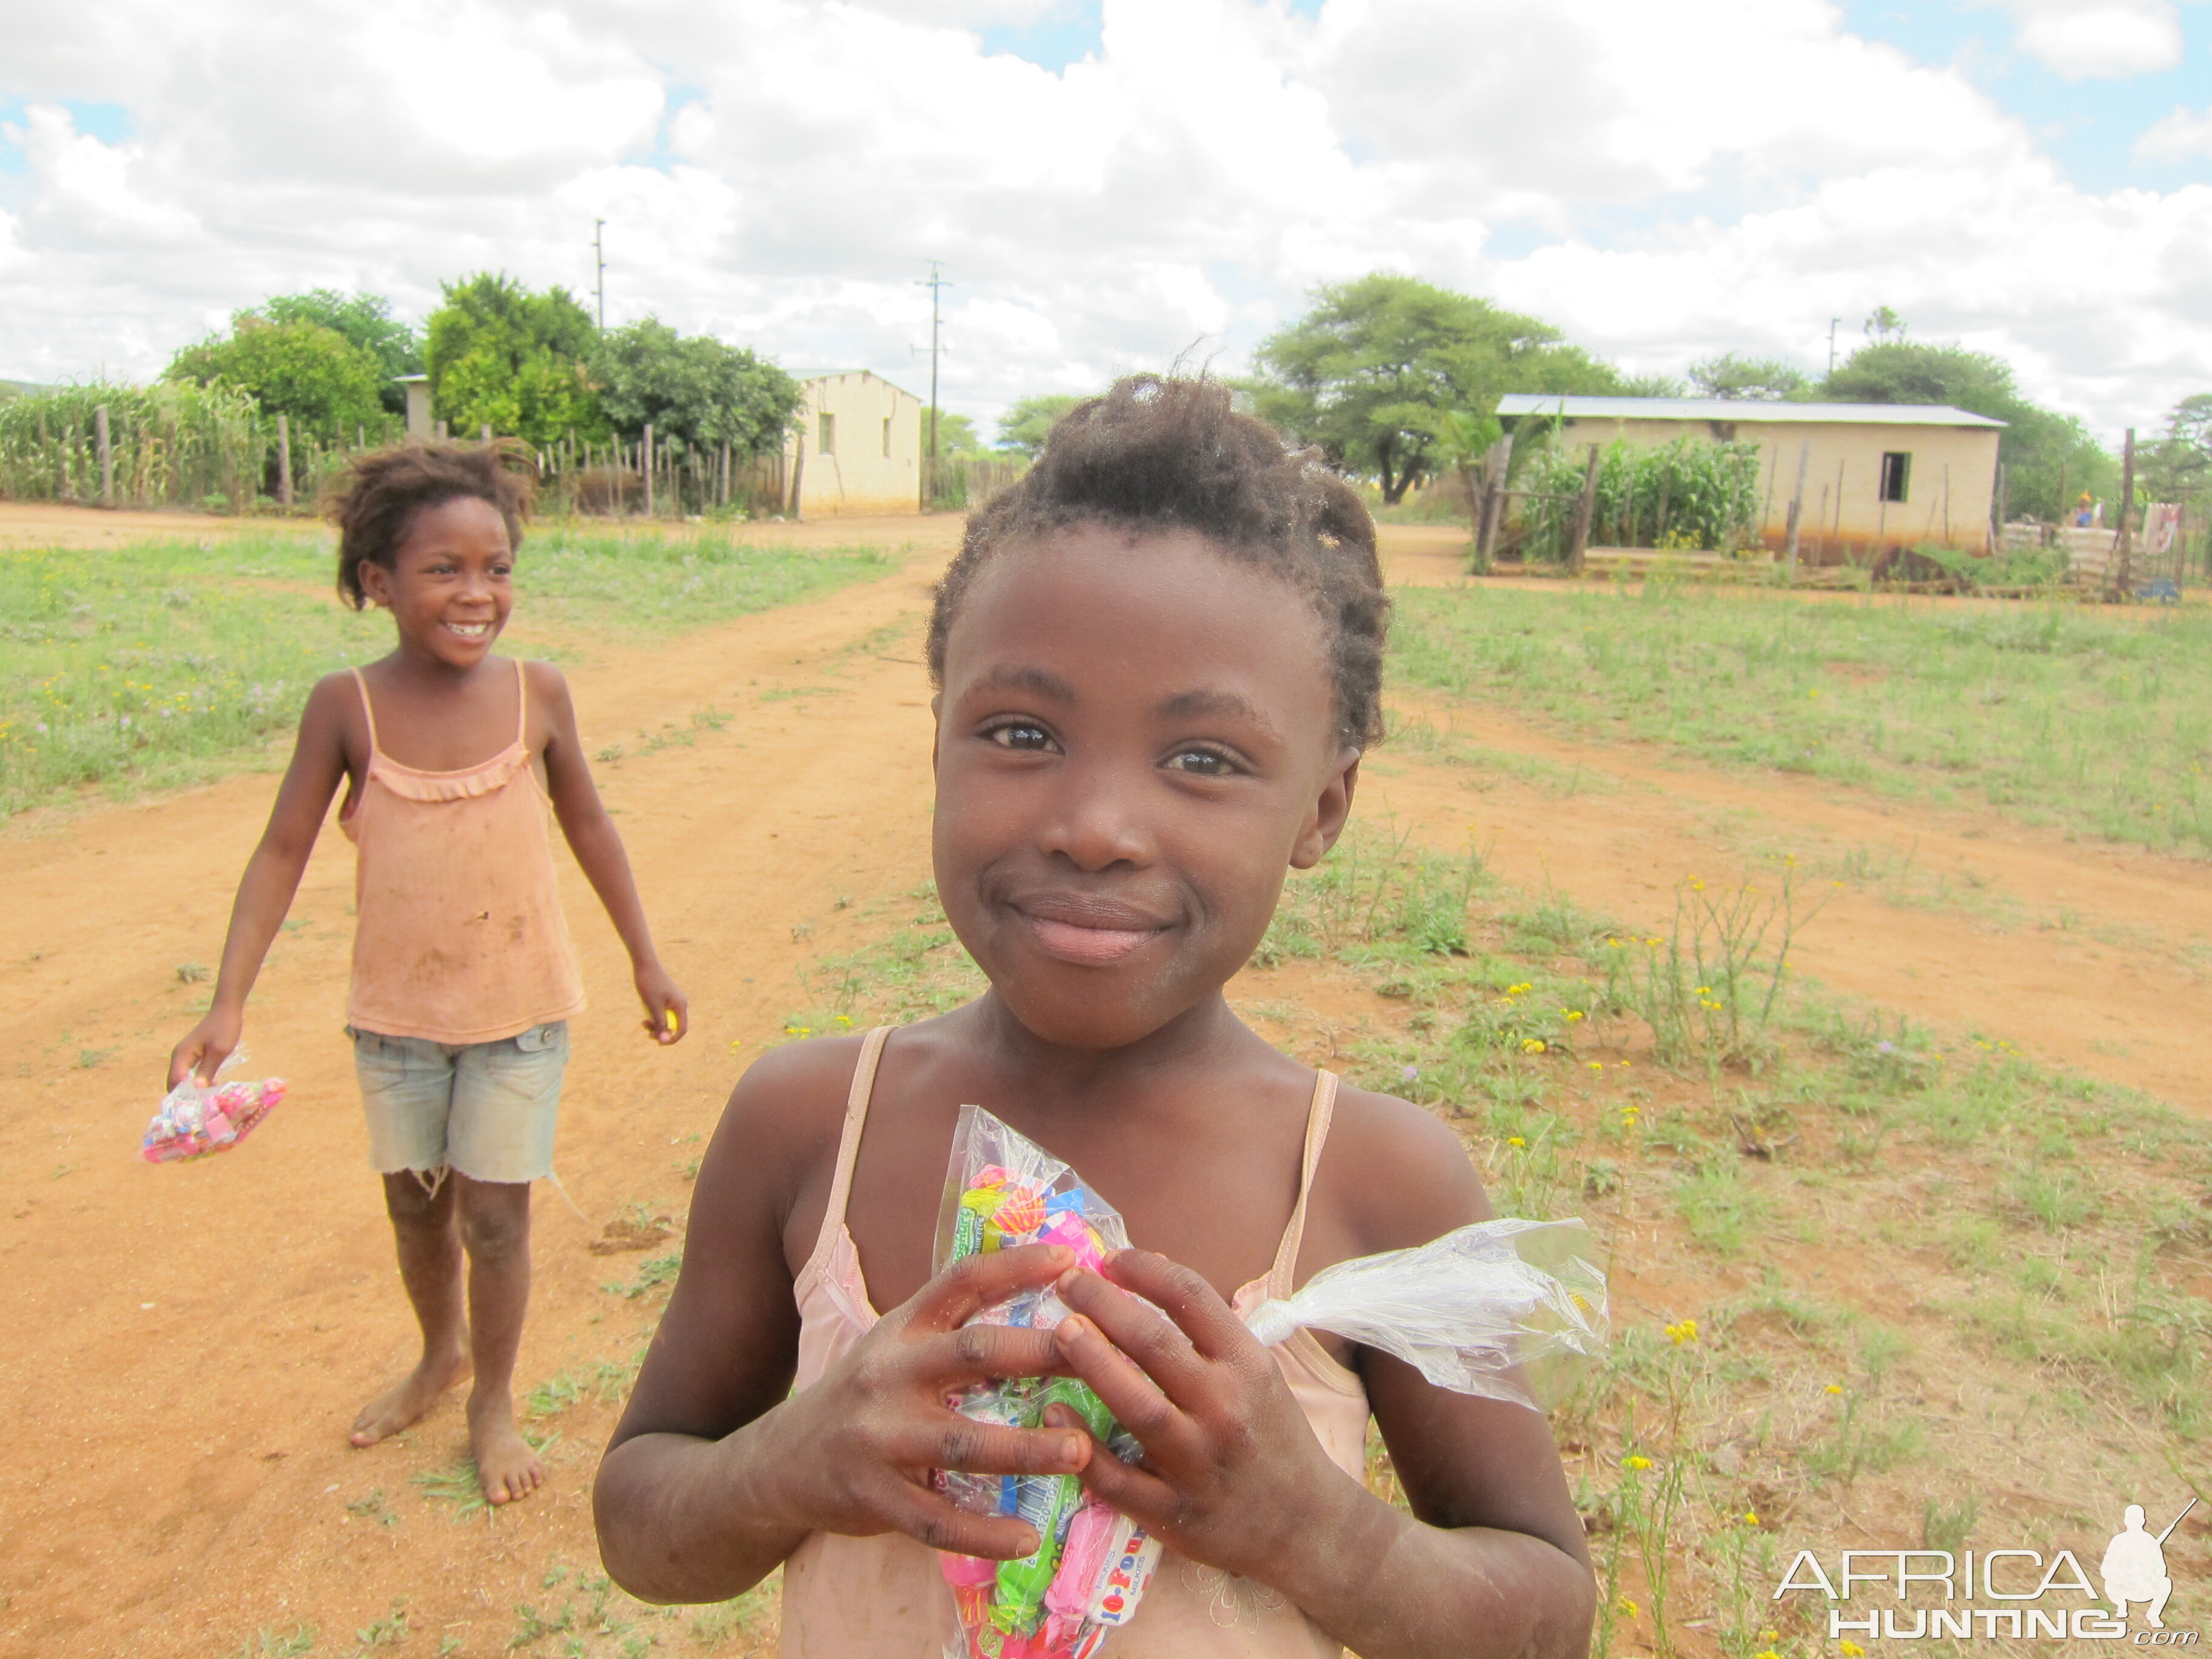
pixel 20 388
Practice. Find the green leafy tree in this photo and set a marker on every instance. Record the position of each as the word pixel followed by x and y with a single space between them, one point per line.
pixel 1374 370
pixel 1024 424
pixel 2039 447
pixel 500 355
pixel 2178 467
pixel 364 319
pixel 955 435
pixel 695 391
pixel 314 375
pixel 1764 379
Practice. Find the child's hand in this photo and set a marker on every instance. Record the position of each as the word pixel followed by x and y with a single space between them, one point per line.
pixel 668 1010
pixel 1232 1475
pixel 862 1442
pixel 205 1047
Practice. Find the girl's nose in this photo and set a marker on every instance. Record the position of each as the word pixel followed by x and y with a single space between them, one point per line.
pixel 1097 819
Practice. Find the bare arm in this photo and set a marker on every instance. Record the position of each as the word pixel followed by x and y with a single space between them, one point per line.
pixel 716 1473
pixel 272 875
pixel 593 839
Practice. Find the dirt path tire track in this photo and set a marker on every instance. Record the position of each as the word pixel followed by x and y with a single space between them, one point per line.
pixel 179 1477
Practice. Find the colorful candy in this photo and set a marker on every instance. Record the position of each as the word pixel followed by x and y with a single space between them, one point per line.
pixel 195 1121
pixel 1092 1565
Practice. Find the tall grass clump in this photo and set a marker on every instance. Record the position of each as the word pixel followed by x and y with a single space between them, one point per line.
pixel 173 444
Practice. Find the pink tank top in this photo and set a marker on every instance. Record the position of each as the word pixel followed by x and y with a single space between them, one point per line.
pixel 458 934
pixel 884 1598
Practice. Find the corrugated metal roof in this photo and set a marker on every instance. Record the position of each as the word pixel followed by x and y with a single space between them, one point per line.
pixel 1735 409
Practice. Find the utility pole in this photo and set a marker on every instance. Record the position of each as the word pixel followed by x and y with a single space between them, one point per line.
pixel 1833 322
pixel 935 282
pixel 600 258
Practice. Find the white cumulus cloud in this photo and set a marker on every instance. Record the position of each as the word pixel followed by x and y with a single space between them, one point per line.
pixel 1664 182
pixel 2082 39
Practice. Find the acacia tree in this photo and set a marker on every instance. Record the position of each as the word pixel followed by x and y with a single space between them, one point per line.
pixel 696 391
pixel 1764 379
pixel 1374 371
pixel 314 375
pixel 501 356
pixel 1026 423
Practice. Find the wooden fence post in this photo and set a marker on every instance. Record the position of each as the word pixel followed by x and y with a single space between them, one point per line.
pixel 483 434
pixel 283 461
pixel 1583 509
pixel 1797 504
pixel 645 465
pixel 2122 576
pixel 106 456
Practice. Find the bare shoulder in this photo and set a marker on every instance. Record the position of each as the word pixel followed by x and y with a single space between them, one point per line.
pixel 548 686
pixel 1395 1175
pixel 778 1130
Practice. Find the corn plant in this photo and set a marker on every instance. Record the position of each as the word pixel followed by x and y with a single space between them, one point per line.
pixel 1686 494
pixel 172 444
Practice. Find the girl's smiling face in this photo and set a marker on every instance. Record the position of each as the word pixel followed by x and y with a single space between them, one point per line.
pixel 450 587
pixel 1136 740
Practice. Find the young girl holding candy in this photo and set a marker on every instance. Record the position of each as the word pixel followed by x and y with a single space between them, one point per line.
pixel 464 978
pixel 1158 661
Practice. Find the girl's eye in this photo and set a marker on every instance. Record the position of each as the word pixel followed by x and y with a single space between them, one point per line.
pixel 1021 736
pixel 1206 762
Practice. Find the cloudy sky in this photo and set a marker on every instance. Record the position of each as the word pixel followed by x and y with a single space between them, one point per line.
pixel 1115 183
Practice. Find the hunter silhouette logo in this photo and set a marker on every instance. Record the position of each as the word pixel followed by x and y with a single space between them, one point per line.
pixel 2134 1568
pixel 1934 1594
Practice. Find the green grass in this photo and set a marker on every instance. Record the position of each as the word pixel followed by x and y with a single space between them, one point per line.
pixel 2091 721
pixel 165 663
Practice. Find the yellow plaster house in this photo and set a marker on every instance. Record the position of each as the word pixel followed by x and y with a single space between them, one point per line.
pixel 1877 476
pixel 857 448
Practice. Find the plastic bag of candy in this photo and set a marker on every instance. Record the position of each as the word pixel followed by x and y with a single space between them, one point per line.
pixel 1504 1309
pixel 197 1119
pixel 1092 1565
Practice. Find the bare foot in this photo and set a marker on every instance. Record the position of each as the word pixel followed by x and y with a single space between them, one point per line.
pixel 405 1402
pixel 505 1465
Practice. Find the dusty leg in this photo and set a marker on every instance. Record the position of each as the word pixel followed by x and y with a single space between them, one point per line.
pixel 430 1268
pixel 494 1217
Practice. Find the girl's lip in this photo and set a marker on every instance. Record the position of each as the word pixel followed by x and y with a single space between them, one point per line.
pixel 1088 946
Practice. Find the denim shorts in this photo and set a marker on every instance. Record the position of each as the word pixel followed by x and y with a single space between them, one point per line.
pixel 485 1109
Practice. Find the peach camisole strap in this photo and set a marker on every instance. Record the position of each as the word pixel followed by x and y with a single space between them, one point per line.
pixel 884 1597
pixel 459 934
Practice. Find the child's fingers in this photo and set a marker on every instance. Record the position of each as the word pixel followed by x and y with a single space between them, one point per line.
pixel 1134 1397
pixel 1161 1350
pixel 974 1283
pixel 978 1353
pixel 1144 1498
pixel 1195 1306
pixel 931 1518
pixel 967 1447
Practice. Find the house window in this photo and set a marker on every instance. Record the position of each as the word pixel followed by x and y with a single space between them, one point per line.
pixel 829 445
pixel 887 437
pixel 1896 474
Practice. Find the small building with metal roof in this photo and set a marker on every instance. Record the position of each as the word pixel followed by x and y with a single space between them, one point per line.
pixel 1877 476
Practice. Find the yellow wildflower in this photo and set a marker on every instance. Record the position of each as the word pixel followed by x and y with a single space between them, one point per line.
pixel 1516 1140
pixel 1628 1608
pixel 1533 1045
pixel 1835 1388
pixel 1851 1649
pixel 1686 1331
pixel 1637 1464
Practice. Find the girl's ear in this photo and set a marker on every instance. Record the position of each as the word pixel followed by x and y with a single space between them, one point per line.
pixel 1332 809
pixel 375 583
pixel 936 715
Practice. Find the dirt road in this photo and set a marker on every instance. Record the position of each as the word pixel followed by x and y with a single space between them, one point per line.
pixel 190 1343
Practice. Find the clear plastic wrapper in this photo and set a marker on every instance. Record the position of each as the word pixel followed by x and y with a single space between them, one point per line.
pixel 1505 1309
pixel 1092 1565
pixel 196 1120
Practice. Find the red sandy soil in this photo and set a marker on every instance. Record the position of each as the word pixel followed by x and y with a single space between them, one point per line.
pixel 192 1342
